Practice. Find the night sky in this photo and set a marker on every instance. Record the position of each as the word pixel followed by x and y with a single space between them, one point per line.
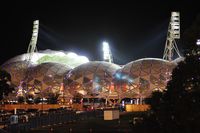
pixel 133 30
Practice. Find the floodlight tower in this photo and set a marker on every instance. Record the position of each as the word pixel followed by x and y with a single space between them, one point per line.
pixel 172 35
pixel 32 45
pixel 107 55
pixel 31 49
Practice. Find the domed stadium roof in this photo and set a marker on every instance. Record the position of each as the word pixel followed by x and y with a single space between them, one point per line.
pixel 19 65
pixel 24 57
pixel 46 78
pixel 139 78
pixel 177 60
pixel 67 58
pixel 91 79
pixel 17 70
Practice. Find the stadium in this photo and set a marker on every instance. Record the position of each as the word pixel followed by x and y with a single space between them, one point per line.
pixel 72 78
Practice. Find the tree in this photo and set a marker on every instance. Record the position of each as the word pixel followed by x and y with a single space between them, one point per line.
pixel 191 35
pixel 178 108
pixel 5 82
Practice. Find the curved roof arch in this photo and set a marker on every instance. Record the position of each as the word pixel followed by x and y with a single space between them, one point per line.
pixel 92 78
pixel 143 76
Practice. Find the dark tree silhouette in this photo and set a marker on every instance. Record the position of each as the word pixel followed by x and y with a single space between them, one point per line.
pixel 191 35
pixel 5 84
pixel 178 108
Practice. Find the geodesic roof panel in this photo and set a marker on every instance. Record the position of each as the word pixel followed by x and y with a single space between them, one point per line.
pixel 49 70
pixel 144 76
pixel 93 78
pixel 17 70
pixel 47 77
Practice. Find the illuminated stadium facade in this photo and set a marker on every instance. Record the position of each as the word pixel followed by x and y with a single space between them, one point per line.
pixel 92 79
pixel 19 65
pixel 70 75
pixel 139 78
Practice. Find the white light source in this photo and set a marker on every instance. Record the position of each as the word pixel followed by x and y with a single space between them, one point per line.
pixel 123 103
pixel 84 59
pixel 105 46
pixel 72 55
pixel 131 101
pixel 59 54
pixel 106 52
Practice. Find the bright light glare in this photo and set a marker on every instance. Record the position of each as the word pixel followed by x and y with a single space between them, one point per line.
pixel 60 53
pixel 72 55
pixel 118 75
pixel 105 46
pixel 84 59
pixel 68 58
pixel 106 50
pixel 34 57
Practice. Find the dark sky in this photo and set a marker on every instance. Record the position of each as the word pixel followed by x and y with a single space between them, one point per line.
pixel 134 30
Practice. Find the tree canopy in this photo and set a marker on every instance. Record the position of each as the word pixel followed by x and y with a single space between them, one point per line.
pixel 5 82
pixel 190 36
pixel 178 108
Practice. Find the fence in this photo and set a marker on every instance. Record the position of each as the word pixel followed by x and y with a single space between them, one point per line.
pixel 52 119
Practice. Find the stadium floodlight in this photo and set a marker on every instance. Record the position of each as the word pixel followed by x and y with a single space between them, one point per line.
pixel 172 35
pixel 107 56
pixel 32 45
pixel 105 51
pixel 105 46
